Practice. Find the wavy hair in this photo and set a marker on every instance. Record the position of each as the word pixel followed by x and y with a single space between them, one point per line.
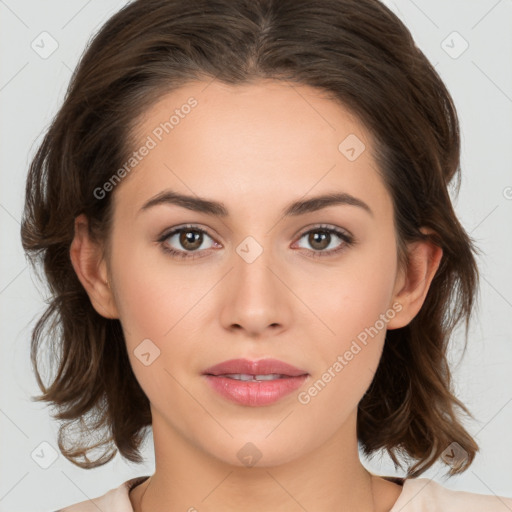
pixel 360 54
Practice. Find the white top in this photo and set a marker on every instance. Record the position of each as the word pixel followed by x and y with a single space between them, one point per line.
pixel 418 495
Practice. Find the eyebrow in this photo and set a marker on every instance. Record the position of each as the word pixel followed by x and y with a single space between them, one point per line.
pixel 218 209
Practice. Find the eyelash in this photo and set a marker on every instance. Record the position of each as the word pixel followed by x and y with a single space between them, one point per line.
pixel 344 236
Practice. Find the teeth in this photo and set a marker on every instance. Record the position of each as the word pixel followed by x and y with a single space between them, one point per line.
pixel 245 376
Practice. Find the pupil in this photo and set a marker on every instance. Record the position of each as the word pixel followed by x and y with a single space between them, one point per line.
pixel 187 239
pixel 317 238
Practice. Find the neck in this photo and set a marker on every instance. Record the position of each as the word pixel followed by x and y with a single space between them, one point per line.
pixel 331 479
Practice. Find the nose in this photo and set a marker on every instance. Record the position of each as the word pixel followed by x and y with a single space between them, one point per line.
pixel 255 298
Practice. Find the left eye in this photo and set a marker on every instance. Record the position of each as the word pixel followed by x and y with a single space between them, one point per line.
pixel 321 239
pixel 191 240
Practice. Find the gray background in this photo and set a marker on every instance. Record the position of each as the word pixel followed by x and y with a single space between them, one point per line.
pixel 480 80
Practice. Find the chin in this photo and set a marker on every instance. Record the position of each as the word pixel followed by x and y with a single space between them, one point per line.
pixel 253 452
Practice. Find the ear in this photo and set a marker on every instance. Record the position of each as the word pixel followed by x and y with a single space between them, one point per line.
pixel 91 269
pixel 413 282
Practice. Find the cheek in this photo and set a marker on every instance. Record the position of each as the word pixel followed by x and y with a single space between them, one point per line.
pixel 151 293
pixel 150 309
pixel 356 307
pixel 158 303
pixel 139 305
pixel 354 295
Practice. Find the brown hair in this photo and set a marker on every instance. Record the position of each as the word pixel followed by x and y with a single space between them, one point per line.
pixel 363 56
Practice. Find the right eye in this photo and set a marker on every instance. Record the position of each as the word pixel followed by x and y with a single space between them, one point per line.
pixel 189 238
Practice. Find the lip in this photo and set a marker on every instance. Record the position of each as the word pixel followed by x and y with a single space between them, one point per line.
pixel 254 393
pixel 260 367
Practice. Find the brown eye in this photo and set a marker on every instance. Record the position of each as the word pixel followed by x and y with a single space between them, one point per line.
pixel 322 241
pixel 317 239
pixel 191 239
pixel 186 242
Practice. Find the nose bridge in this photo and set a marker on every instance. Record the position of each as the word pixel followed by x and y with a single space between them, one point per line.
pixel 252 269
pixel 256 297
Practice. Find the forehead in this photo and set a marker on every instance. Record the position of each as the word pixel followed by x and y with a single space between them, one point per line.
pixel 268 111
pixel 267 138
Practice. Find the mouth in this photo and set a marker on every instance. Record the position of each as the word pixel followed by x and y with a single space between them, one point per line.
pixel 254 383
pixel 254 378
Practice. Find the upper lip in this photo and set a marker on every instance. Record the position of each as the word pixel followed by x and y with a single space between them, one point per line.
pixel 260 367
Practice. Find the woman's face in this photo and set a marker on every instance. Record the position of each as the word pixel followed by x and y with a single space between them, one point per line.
pixel 255 282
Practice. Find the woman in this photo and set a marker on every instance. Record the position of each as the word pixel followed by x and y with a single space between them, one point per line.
pixel 243 214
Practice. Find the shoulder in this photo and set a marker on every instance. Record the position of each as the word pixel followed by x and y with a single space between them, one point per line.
pixel 423 494
pixel 115 500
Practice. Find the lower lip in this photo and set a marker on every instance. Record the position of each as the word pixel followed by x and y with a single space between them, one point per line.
pixel 253 393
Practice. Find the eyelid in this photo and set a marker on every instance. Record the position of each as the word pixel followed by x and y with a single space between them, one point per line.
pixel 166 233
pixel 326 227
pixel 182 227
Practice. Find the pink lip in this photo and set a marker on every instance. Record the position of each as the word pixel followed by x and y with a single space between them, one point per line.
pixel 254 393
pixel 261 367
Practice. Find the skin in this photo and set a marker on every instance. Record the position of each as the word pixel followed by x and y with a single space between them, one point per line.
pixel 255 148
